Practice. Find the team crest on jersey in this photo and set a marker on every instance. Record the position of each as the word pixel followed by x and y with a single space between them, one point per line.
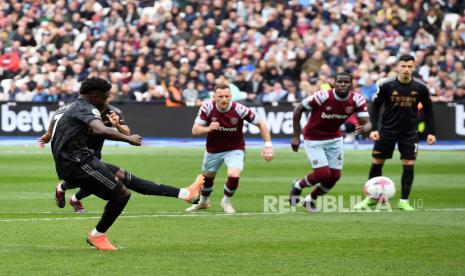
pixel 328 108
pixel 234 121
pixel 413 93
pixel 395 93
pixel 96 113
pixel 349 109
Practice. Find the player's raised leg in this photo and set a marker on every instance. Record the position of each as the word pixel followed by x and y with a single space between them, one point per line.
pixel 146 187
pixel 334 151
pixel 317 158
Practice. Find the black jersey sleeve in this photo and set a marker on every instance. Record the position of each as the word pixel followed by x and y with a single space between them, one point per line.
pixel 378 102
pixel 425 100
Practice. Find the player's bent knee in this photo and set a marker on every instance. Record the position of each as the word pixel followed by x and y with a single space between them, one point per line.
pixel 122 194
pixel 234 172
pixel 237 175
pixel 323 174
pixel 121 175
pixel 408 162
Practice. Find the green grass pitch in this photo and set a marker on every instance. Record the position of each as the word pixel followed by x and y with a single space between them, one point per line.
pixel 156 237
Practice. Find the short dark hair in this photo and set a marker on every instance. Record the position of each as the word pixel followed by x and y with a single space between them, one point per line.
pixel 221 86
pixel 343 74
pixel 94 84
pixel 406 58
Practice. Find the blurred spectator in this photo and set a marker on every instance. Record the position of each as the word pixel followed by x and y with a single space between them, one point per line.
pixel 276 95
pixel 173 94
pixel 173 42
pixel 368 88
pixel 24 95
pixel 39 94
pixel 459 95
pixel 190 94
pixel 155 93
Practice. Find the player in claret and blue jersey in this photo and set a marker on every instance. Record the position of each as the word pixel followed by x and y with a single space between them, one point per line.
pixel 323 140
pixel 222 121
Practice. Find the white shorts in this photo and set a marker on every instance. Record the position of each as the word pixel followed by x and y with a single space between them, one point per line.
pixel 213 161
pixel 322 153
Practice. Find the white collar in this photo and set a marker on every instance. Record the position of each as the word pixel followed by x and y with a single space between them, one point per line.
pixel 339 98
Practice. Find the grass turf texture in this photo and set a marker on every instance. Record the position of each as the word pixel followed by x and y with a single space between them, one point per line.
pixel 155 236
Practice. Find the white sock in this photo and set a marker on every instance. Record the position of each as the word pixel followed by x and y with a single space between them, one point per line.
pixel 183 193
pixel 403 200
pixel 308 198
pixel 96 233
pixel 226 199
pixel 59 188
pixel 204 199
pixel 73 198
pixel 297 185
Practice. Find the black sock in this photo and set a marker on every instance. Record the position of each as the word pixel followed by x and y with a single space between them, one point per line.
pixel 375 170
pixel 112 210
pixel 82 194
pixel 407 180
pixel 65 186
pixel 147 187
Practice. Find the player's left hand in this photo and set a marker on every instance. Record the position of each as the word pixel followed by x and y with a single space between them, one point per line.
pixel 44 139
pixel 113 118
pixel 268 153
pixel 430 139
pixel 295 143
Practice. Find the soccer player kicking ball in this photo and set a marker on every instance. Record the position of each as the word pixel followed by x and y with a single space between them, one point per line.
pixel 222 121
pixel 323 140
pixel 111 117
pixel 77 164
pixel 400 97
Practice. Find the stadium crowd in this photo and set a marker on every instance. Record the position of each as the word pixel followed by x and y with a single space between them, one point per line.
pixel 173 51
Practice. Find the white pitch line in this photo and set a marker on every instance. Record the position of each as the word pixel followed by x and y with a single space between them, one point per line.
pixel 169 214
pixel 145 216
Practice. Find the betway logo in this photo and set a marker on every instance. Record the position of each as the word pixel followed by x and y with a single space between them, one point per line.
pixel 334 116
pixel 279 122
pixel 25 121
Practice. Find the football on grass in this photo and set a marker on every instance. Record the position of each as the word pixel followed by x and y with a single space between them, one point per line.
pixel 380 188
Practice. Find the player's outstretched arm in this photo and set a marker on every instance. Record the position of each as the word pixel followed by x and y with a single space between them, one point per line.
pixel 98 128
pixel 198 129
pixel 267 152
pixel 295 142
